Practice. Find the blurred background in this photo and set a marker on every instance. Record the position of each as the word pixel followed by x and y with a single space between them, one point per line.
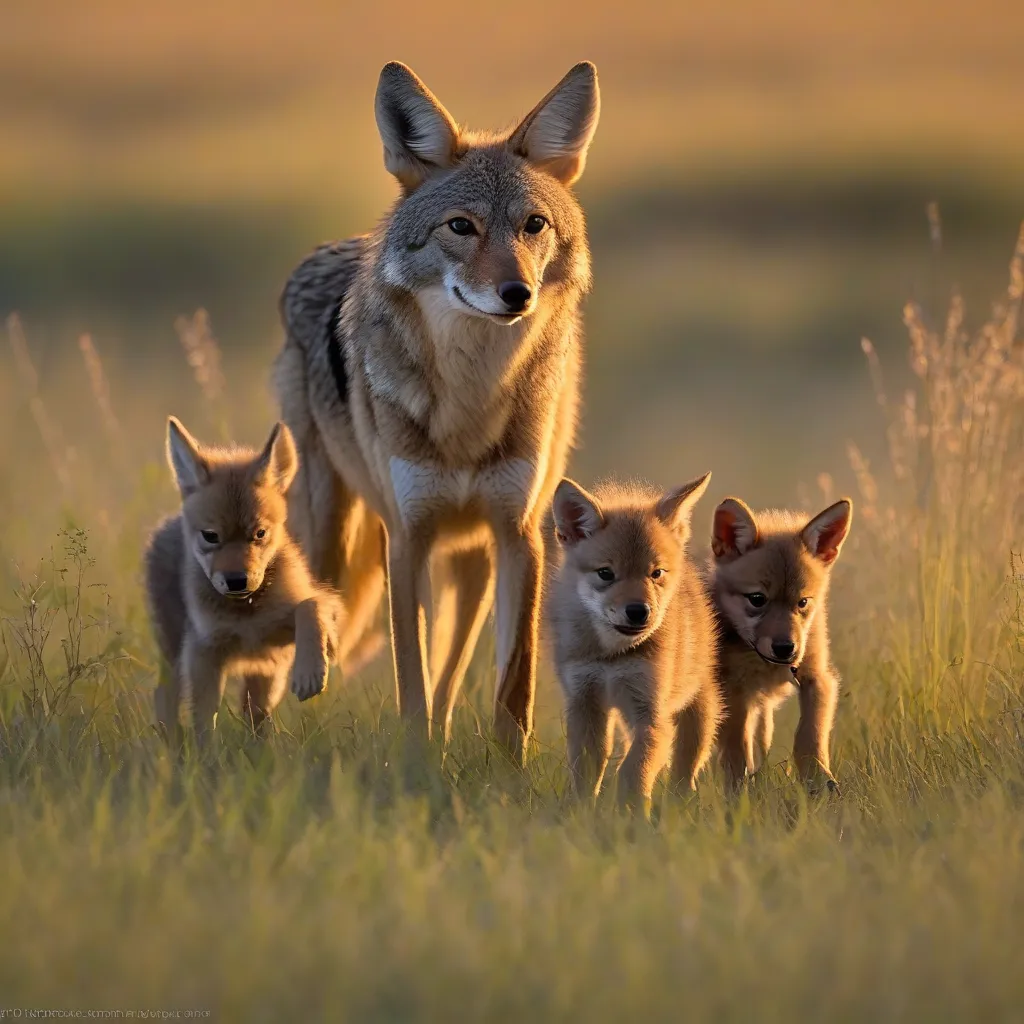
pixel 756 194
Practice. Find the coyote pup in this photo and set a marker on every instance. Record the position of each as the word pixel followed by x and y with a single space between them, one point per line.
pixel 634 633
pixel 768 577
pixel 228 588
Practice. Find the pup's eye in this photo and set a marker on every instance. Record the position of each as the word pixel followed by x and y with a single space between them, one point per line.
pixel 803 603
pixel 462 226
pixel 606 574
pixel 535 224
pixel 210 536
pixel 757 599
pixel 261 533
pixel 657 574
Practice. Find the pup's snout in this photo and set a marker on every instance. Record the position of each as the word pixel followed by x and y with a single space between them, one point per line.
pixel 515 294
pixel 236 582
pixel 783 649
pixel 637 613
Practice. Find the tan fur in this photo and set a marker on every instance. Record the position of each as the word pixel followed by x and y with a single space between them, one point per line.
pixel 232 533
pixel 660 676
pixel 430 375
pixel 781 562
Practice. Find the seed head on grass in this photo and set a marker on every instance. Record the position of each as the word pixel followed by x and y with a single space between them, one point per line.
pixel 99 386
pixel 61 456
pixel 204 357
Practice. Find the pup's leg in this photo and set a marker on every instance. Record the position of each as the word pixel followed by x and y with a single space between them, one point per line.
pixel 736 738
pixel 819 695
pixel 261 694
pixel 466 584
pixel 765 731
pixel 696 726
pixel 313 632
pixel 520 561
pixel 204 667
pixel 590 733
pixel 646 757
pixel 167 702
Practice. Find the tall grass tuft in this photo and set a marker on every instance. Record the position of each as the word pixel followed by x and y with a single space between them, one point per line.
pixel 937 533
pixel 334 872
pixel 61 642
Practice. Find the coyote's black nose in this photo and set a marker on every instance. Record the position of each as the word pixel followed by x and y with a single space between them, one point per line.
pixel 638 613
pixel 515 295
pixel 236 581
pixel 783 649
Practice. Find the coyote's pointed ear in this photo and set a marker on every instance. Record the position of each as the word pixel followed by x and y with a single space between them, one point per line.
pixel 675 507
pixel 734 531
pixel 825 533
pixel 278 463
pixel 577 514
pixel 420 137
pixel 184 457
pixel 555 135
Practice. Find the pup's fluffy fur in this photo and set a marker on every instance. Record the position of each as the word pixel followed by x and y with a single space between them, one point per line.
pixel 634 635
pixel 229 590
pixel 768 577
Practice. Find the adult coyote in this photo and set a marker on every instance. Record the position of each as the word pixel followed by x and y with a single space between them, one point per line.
pixel 430 376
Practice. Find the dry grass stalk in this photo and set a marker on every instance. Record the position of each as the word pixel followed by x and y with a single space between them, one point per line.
pixel 61 456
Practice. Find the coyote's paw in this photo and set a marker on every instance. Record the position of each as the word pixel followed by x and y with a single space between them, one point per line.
pixel 309 675
pixel 823 784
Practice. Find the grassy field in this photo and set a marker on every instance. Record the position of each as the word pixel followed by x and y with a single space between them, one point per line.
pixel 332 873
pixel 756 198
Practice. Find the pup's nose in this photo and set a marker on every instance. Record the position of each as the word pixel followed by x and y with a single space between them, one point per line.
pixel 236 582
pixel 638 613
pixel 783 649
pixel 515 295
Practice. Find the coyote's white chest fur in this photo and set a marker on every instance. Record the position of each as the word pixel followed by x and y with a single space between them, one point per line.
pixel 463 399
pixel 423 491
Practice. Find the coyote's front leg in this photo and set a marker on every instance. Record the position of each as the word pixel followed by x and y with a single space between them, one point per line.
pixel 520 562
pixel 408 553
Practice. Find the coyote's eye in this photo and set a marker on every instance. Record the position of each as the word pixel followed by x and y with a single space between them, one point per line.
pixel 606 574
pixel 261 533
pixel 803 603
pixel 462 226
pixel 657 574
pixel 535 224
pixel 210 536
pixel 757 599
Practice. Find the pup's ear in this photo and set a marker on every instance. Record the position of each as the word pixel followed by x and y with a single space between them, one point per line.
pixel 825 533
pixel 420 137
pixel 734 531
pixel 185 458
pixel 577 514
pixel 278 463
pixel 675 507
pixel 556 134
